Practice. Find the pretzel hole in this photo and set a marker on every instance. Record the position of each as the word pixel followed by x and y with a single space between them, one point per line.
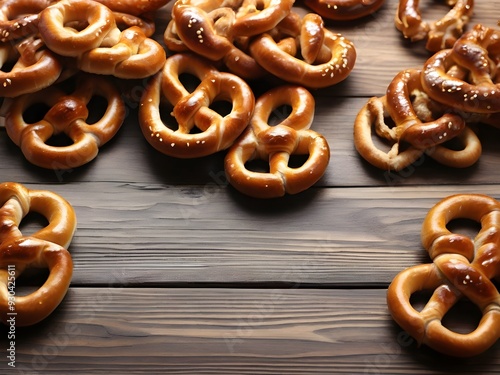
pixel 189 81
pixel 222 107
pixel 97 107
pixel 466 227
pixel 279 114
pixel 257 165
pixel 35 113
pixel 463 317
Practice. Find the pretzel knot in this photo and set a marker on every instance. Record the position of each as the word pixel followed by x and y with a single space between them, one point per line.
pixel 46 248
pixel 33 67
pixel 67 114
pixel 199 130
pixel 465 77
pixel 276 144
pixel 416 128
pixel 133 56
pixel 315 58
pixel 439 34
pixel 461 268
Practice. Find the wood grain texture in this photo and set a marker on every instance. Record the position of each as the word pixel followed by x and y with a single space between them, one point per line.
pixel 177 273
pixel 229 331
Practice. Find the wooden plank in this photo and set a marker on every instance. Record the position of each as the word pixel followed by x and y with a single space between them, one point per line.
pixel 228 331
pixel 129 157
pixel 156 234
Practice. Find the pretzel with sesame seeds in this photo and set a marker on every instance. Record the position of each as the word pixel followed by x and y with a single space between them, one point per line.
pixel 417 128
pixel 344 10
pixel 316 58
pixel 195 129
pixel 68 114
pixel 19 19
pixel 439 34
pixel 475 56
pixel 46 248
pixel 34 67
pixel 276 144
pixel 462 268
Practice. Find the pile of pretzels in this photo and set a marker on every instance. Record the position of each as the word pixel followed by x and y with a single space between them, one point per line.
pixel 431 110
pixel 62 55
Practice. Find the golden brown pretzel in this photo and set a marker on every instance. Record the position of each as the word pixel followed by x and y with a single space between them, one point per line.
pixel 46 248
pixel 33 67
pixel 331 66
pixel 440 34
pixel 67 114
pixel 133 56
pixel 134 7
pixel 476 52
pixel 20 18
pixel 344 10
pixel 414 124
pixel 55 27
pixel 276 144
pixel 461 268
pixel 192 110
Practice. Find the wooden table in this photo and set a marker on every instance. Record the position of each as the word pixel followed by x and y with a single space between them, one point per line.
pixel 175 272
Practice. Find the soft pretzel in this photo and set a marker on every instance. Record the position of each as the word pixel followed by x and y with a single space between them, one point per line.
pixel 68 114
pixel 333 62
pixel 133 56
pixel 439 34
pixel 344 10
pixel 19 19
pixel 478 91
pixel 134 7
pixel 415 125
pixel 55 27
pixel 191 110
pixel 33 67
pixel 45 248
pixel 276 144
pixel 461 268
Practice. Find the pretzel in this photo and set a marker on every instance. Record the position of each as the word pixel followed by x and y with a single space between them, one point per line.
pixel 134 7
pixel 68 114
pixel 46 248
pixel 410 129
pixel 191 110
pixel 134 56
pixel 344 10
pixel 331 66
pixel 33 67
pixel 461 268
pixel 480 93
pixel 440 34
pixel 276 144
pixel 56 21
pixel 19 19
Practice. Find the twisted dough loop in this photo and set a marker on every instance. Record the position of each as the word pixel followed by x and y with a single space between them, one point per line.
pixel 440 34
pixel 34 67
pixel 331 66
pixel 191 110
pixel 477 53
pixel 68 114
pixel 276 144
pixel 421 137
pixel 19 19
pixel 46 248
pixel 461 268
